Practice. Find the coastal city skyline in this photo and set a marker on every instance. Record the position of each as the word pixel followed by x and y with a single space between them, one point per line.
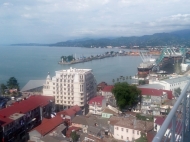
pixel 53 21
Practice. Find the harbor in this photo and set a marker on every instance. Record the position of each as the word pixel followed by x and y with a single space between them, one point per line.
pixel 72 59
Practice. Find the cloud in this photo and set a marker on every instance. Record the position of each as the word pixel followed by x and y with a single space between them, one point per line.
pixel 48 21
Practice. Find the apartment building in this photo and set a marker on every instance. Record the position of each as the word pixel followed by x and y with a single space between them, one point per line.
pixel 22 116
pixel 128 128
pixel 71 87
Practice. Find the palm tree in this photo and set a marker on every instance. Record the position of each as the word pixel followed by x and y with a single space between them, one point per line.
pixel 130 79
pixel 113 81
pixel 117 79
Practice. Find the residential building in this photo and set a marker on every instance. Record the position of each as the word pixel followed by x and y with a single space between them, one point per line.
pixel 128 128
pixel 47 126
pixel 153 99
pixel 96 105
pixel 22 116
pixel 71 87
pixel 107 113
pixel 107 91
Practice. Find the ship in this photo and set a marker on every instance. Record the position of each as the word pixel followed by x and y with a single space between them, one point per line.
pixel 146 66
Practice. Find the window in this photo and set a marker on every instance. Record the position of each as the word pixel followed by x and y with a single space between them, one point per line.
pixel 121 137
pixel 133 131
pixel 121 129
pixel 127 138
pixel 127 130
pixel 137 132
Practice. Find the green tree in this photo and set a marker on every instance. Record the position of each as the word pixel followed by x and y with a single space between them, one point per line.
pixel 12 83
pixel 142 82
pixel 74 136
pixel 177 92
pixel 3 87
pixel 126 94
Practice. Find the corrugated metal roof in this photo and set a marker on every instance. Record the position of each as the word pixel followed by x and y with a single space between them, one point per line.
pixel 176 80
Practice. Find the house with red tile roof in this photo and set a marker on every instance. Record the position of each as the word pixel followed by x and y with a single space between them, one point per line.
pixel 97 104
pixel 107 91
pixel 23 116
pixel 128 128
pixel 70 113
pixel 153 99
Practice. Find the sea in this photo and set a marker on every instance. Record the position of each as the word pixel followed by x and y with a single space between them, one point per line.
pixel 34 62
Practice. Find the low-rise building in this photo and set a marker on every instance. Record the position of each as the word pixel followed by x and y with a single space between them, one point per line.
pixel 172 83
pixel 107 91
pixel 128 128
pixel 153 99
pixel 96 105
pixel 22 116
pixel 107 113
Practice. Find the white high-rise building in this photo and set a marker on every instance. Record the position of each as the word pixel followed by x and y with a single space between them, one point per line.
pixel 71 87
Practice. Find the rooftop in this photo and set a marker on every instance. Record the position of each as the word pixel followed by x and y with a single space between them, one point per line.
pixel 48 125
pixel 155 92
pixel 71 111
pixel 74 70
pixel 153 86
pixel 97 100
pixel 21 107
pixel 176 80
pixel 108 88
pixel 33 84
pixel 131 122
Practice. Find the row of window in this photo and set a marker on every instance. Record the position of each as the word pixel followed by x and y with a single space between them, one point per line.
pixel 123 129
pixel 61 93
pixel 127 138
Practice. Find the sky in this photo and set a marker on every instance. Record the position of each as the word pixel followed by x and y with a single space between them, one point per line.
pixel 51 21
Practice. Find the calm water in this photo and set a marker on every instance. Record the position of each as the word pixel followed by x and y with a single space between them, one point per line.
pixel 33 63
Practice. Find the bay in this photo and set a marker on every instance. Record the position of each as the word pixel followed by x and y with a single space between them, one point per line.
pixel 34 62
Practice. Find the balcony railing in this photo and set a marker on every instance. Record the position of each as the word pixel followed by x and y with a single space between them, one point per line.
pixel 176 126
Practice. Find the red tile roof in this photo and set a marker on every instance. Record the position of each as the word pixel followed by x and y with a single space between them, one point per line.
pixel 155 92
pixel 23 107
pixel 71 111
pixel 48 125
pixel 108 88
pixel 97 100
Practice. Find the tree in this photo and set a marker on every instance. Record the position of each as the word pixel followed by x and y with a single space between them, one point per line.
pixel 113 81
pixel 126 94
pixel 74 136
pixel 177 92
pixel 3 87
pixel 12 83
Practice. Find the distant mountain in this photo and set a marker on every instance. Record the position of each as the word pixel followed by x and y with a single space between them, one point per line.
pixel 175 38
pixel 181 37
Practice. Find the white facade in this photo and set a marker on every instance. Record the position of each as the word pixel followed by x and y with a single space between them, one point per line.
pixel 126 134
pixel 71 87
pixel 173 83
pixel 96 108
